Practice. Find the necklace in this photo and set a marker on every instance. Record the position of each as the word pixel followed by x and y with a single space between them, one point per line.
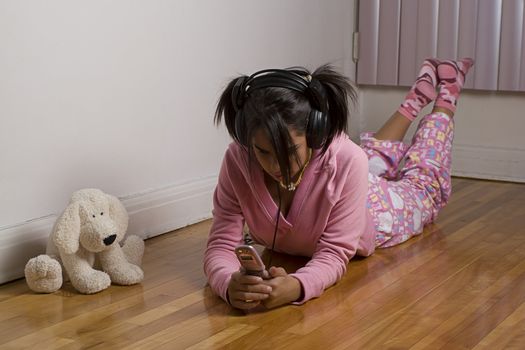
pixel 293 186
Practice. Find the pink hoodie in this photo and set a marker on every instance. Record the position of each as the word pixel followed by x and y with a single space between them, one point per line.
pixel 328 219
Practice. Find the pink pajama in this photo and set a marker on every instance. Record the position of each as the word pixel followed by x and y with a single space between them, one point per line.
pixel 402 198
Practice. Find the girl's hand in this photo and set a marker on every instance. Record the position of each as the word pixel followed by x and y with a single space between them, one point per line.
pixel 285 288
pixel 246 292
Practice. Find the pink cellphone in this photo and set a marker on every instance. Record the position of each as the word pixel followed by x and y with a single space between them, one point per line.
pixel 250 260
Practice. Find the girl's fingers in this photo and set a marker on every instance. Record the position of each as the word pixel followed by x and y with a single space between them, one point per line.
pixel 245 305
pixel 249 297
pixel 255 288
pixel 277 271
pixel 246 301
pixel 246 292
pixel 241 278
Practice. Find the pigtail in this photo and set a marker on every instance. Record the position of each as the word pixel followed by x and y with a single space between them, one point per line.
pixel 339 92
pixel 227 108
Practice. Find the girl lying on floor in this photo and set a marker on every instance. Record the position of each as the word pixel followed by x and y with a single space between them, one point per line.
pixel 304 188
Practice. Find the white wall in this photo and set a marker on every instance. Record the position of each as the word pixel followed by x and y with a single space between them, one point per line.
pixel 120 95
pixel 489 142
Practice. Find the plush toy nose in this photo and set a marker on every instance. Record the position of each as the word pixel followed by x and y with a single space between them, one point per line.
pixel 110 239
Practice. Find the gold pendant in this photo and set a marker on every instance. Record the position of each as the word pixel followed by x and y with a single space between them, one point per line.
pixel 289 187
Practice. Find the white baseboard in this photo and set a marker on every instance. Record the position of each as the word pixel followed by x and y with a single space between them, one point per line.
pixel 151 213
pixel 492 163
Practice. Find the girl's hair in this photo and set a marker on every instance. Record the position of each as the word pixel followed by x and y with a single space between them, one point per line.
pixel 276 109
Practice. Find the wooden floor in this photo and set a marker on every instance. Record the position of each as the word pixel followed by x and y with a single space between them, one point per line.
pixel 460 285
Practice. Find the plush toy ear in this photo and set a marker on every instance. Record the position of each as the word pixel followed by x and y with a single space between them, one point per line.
pixel 66 232
pixel 118 213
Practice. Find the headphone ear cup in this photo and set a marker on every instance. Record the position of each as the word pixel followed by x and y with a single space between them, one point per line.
pixel 316 129
pixel 318 122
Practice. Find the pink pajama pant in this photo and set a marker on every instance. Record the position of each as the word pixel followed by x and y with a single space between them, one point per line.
pixel 402 198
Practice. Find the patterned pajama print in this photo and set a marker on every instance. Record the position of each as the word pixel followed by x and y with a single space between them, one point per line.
pixel 402 199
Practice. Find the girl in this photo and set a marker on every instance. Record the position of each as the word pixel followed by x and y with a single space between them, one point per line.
pixel 304 188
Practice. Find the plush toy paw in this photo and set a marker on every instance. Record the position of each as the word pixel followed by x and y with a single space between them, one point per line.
pixel 133 249
pixel 126 274
pixel 91 282
pixel 43 274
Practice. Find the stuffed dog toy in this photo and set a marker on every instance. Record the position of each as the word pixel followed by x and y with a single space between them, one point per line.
pixel 88 234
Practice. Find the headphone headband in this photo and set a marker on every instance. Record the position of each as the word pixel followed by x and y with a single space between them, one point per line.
pixel 317 126
pixel 281 78
pixel 276 78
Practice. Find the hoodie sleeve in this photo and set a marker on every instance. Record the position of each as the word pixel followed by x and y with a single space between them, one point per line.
pixel 226 231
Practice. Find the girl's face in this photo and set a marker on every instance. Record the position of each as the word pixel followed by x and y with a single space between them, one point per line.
pixel 265 154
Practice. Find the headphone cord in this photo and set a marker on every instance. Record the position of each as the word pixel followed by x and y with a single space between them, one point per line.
pixel 276 224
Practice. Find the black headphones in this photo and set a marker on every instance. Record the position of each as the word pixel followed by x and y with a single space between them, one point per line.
pixel 317 125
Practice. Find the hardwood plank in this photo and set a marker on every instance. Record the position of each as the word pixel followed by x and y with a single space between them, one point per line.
pixel 509 334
